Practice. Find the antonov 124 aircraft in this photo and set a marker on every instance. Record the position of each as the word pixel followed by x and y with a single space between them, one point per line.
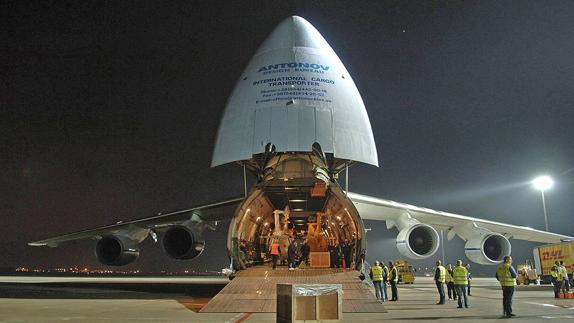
pixel 296 121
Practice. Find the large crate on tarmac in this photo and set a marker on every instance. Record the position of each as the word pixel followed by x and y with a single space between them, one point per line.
pixel 309 303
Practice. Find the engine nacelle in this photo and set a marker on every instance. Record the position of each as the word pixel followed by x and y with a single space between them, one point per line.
pixel 182 242
pixel 418 241
pixel 116 250
pixel 487 249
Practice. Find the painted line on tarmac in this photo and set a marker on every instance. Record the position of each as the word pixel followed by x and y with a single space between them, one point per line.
pixel 551 305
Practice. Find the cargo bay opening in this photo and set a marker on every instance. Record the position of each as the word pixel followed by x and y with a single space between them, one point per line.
pixel 297 202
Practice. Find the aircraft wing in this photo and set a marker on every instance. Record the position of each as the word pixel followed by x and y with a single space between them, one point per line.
pixel 372 208
pixel 207 212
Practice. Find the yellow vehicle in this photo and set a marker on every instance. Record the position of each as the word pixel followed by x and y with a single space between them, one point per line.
pixel 406 271
pixel 545 256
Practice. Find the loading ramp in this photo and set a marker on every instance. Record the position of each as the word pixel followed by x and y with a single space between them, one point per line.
pixel 254 290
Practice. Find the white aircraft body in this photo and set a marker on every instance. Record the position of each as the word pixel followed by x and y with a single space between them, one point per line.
pixel 296 121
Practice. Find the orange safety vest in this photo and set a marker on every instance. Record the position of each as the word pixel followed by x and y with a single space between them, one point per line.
pixel 275 249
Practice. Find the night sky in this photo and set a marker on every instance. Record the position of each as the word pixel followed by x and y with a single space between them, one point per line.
pixel 109 111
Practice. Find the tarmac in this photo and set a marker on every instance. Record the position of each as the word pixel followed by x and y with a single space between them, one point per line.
pixel 63 299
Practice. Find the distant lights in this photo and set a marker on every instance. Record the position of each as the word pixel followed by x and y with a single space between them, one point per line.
pixel 297 201
pixel 542 183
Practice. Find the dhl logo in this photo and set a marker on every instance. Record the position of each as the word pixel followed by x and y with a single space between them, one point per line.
pixel 552 255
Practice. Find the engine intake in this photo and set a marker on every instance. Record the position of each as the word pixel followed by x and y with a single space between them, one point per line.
pixel 181 242
pixel 418 241
pixel 487 249
pixel 116 250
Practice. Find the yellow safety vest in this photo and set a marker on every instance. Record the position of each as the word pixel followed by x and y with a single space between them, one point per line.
pixel 504 276
pixel 386 269
pixel 448 277
pixel 394 275
pixel 442 275
pixel 377 273
pixel 460 275
pixel 556 273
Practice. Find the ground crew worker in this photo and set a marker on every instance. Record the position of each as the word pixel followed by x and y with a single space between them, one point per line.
pixel 469 279
pixel 450 283
pixel 460 276
pixel 506 275
pixel 385 281
pixel 566 279
pixel 394 280
pixel 557 278
pixel 376 275
pixel 439 278
pixel 275 251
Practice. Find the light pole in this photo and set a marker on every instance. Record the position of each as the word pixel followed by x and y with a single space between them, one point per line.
pixel 543 183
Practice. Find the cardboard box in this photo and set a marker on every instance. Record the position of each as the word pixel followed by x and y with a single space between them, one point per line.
pixel 318 259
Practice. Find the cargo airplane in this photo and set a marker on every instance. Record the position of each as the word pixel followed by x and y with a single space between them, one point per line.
pixel 296 121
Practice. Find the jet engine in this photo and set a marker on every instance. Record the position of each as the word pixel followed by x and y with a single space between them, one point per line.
pixel 117 250
pixel 418 241
pixel 183 242
pixel 487 249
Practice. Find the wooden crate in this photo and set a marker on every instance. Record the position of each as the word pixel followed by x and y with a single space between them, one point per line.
pixel 319 259
pixel 318 303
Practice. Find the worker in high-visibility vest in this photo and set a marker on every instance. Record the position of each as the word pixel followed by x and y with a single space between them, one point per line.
pixel 557 278
pixel 450 283
pixel 439 278
pixel 275 251
pixel 460 276
pixel 376 276
pixel 506 275
pixel 394 280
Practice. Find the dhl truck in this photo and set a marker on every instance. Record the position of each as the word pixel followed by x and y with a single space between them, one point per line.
pixel 545 256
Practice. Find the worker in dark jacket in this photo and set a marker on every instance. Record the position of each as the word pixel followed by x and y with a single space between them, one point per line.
pixel 565 278
pixel 292 256
pixel 305 249
pixel 394 280
pixel 469 279
pixel 450 283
